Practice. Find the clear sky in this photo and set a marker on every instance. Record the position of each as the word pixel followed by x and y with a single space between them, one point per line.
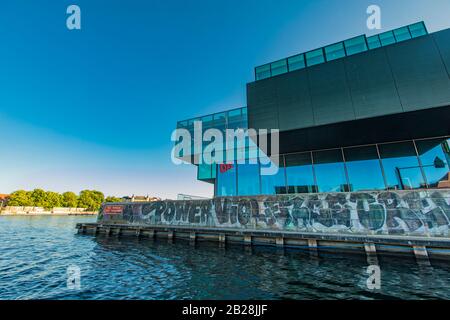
pixel 94 108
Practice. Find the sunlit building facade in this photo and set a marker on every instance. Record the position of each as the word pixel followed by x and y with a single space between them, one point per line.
pixel 368 113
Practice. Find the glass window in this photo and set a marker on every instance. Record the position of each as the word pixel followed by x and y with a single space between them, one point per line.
pixel 273 184
pixel 434 155
pixel 330 171
pixel 401 166
pixel 248 179
pixel 214 171
pixel 299 173
pixel 251 148
pixel 226 180
pixel 207 122
pixel 195 145
pixel 204 171
pixel 355 45
pixel 235 120
pixel 402 34
pixel 296 62
pixel 373 42
pixel 364 169
pixel 387 38
pixel 417 29
pixel 220 121
pixel 182 124
pixel 335 51
pixel 262 72
pixel 314 57
pixel 279 67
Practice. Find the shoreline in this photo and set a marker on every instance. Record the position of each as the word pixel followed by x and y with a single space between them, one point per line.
pixel 22 214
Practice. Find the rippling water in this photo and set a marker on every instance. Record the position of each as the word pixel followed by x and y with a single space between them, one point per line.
pixel 36 251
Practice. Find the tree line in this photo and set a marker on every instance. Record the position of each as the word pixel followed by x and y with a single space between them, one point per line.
pixel 89 199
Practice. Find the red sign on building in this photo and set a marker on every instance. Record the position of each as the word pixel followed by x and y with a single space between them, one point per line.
pixel 113 210
pixel 224 167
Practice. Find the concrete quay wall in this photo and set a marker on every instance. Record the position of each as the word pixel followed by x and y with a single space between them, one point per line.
pixel 414 223
pixel 409 213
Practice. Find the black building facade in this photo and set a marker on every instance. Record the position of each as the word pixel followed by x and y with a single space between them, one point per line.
pixel 368 113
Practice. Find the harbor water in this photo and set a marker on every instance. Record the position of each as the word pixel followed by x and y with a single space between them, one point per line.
pixel 37 252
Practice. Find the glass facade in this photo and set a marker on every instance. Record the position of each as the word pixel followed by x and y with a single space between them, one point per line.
pixel 418 29
pixel 434 156
pixel 273 184
pixel 299 173
pixel 248 179
pixel 373 42
pixel 402 34
pixel 330 171
pixel 355 45
pixel 340 50
pixel 314 57
pixel 387 38
pixel 279 67
pixel 364 168
pixel 401 166
pixel 296 62
pixel 335 51
pixel 406 165
pixel 226 183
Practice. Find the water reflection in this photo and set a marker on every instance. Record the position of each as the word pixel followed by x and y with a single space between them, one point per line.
pixel 35 255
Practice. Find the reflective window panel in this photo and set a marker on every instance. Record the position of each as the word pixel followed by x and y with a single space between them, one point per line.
pixel 273 184
pixel 204 171
pixel 355 45
pixel 236 120
pixel 296 62
pixel 417 29
pixel 364 169
pixel 434 155
pixel 299 173
pixel 387 38
pixel 335 51
pixel 279 67
pixel 262 72
pixel 226 180
pixel 402 34
pixel 373 42
pixel 248 179
pixel 330 171
pixel 401 166
pixel 314 57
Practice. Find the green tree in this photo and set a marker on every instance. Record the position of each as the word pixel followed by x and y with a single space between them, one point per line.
pixel 113 199
pixel 69 199
pixel 38 197
pixel 20 198
pixel 90 199
pixel 52 200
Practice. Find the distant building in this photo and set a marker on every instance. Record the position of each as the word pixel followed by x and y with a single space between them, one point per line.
pixel 181 196
pixel 134 198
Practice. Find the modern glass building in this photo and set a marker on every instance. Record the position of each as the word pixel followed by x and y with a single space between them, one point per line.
pixel 368 113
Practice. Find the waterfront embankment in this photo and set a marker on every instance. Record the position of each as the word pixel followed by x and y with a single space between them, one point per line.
pixel 39 211
pixel 412 222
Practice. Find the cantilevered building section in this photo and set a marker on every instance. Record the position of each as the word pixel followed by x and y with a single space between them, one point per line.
pixel 368 113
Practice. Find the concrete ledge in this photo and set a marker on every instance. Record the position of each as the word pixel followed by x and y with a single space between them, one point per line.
pixel 363 244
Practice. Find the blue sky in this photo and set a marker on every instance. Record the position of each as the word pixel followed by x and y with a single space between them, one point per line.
pixel 94 108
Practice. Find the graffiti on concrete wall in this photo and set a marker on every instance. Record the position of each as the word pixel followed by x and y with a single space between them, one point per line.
pixel 387 212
